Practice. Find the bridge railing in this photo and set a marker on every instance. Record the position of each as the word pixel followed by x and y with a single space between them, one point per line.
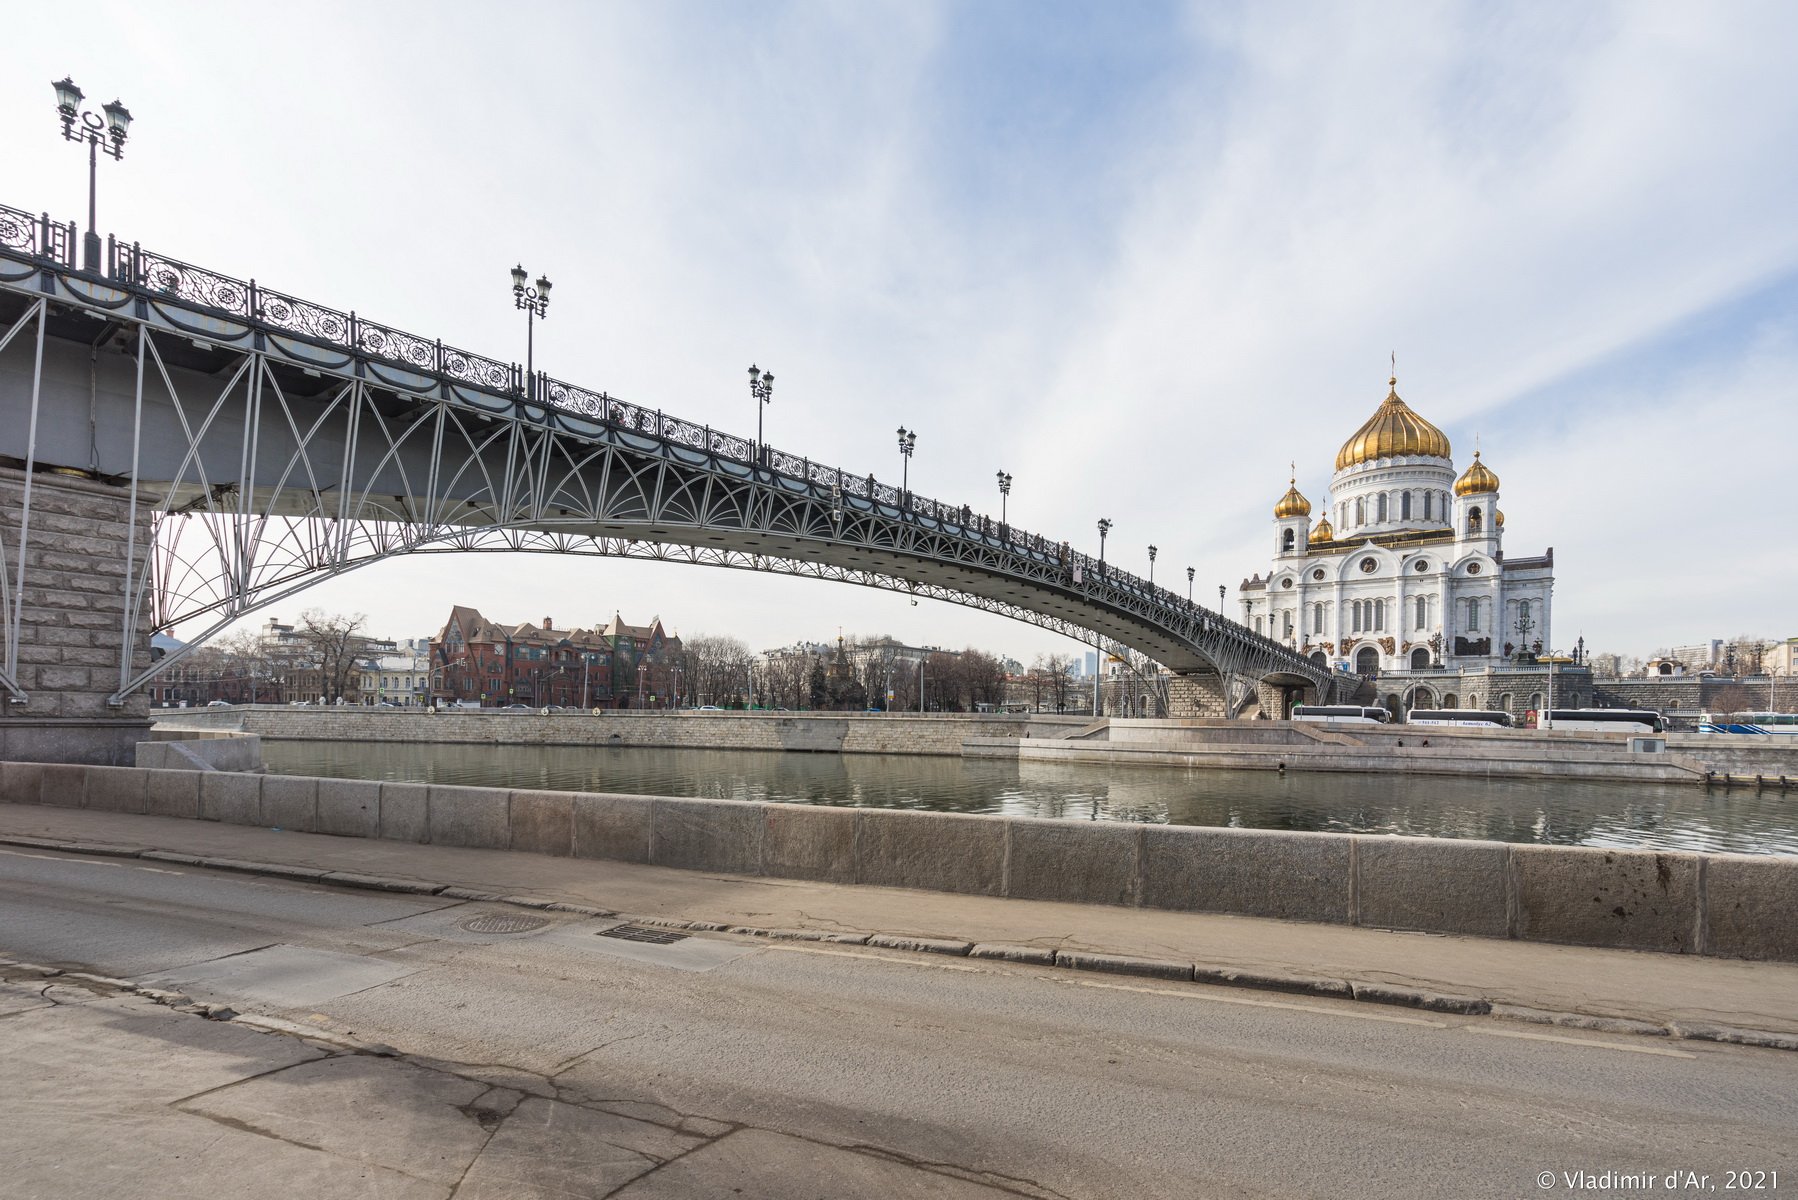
pixel 129 264
pixel 29 236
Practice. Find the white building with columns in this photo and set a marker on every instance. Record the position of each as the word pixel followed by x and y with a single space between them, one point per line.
pixel 1405 569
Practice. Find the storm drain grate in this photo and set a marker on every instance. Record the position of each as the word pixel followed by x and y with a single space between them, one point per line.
pixel 503 923
pixel 637 933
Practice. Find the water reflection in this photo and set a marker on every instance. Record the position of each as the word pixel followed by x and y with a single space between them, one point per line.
pixel 1561 813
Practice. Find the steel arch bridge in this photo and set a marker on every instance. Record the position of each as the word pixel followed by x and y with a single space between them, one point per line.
pixel 276 442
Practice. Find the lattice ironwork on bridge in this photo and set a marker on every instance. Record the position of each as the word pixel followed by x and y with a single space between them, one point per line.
pixel 277 442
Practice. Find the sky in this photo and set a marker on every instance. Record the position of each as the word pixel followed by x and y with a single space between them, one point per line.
pixel 1139 255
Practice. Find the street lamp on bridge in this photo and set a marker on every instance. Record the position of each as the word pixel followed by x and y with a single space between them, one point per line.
pixel 1220 599
pixel 1189 574
pixel 114 126
pixel 1153 551
pixel 761 390
pixel 535 303
pixel 908 441
pixel 1004 493
pixel 1104 528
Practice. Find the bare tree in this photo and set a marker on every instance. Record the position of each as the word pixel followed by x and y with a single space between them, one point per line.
pixel 334 648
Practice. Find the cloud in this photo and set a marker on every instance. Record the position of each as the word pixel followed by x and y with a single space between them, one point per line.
pixel 1141 257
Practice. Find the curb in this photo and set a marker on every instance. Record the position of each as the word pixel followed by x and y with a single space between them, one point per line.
pixel 1083 960
pixel 180 1002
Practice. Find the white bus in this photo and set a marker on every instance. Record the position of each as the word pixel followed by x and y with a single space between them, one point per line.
pixel 1750 722
pixel 1606 720
pixel 1349 713
pixel 1471 718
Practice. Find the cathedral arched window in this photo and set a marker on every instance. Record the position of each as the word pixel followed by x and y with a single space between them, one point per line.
pixel 1428 503
pixel 1317 618
pixel 1360 510
pixel 1473 616
pixel 1379 614
pixel 1286 541
pixel 1382 506
pixel 1473 520
pixel 1404 506
pixel 1423 612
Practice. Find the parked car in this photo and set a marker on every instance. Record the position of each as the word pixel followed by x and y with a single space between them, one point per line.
pixel 710 708
pixel 516 708
pixel 218 704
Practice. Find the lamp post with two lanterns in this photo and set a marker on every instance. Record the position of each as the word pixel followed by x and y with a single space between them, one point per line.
pixel 761 390
pixel 535 303
pixel 100 133
pixel 908 441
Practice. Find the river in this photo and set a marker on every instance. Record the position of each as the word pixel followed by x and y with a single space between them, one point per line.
pixel 1631 816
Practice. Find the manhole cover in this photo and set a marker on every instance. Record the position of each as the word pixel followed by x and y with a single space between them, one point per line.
pixel 503 923
pixel 637 933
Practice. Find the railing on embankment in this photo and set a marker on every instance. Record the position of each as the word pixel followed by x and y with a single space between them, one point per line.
pixel 1735 906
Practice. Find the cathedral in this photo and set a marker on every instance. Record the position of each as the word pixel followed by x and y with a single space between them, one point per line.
pixel 1405 570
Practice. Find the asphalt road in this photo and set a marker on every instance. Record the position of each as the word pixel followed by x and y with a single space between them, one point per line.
pixel 557 1061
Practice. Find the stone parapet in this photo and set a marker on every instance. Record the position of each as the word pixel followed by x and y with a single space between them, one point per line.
pixel 1715 904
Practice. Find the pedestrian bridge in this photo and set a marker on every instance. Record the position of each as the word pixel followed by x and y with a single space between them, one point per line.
pixel 270 442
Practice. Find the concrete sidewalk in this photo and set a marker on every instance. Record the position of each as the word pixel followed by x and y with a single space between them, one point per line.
pixel 1627 991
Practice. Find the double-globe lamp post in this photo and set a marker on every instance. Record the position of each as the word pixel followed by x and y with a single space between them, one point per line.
pixel 1153 551
pixel 1104 528
pixel 99 133
pixel 535 303
pixel 761 390
pixel 1004 494
pixel 1190 572
pixel 908 441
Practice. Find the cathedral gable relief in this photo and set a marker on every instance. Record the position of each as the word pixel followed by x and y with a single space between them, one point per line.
pixel 1475 646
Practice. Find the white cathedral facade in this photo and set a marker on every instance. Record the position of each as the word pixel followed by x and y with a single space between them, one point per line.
pixel 1405 570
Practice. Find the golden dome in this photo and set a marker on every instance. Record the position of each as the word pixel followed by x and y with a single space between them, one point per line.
pixel 1393 430
pixel 1499 516
pixel 1477 478
pixel 1292 504
pixel 1323 532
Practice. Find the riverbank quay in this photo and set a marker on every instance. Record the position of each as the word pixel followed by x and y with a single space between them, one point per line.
pixel 1618 991
pixel 816 733
pixel 1296 746
pixel 1281 746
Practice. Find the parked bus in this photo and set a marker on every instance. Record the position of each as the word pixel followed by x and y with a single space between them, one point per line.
pixel 1750 722
pixel 1348 713
pixel 1606 720
pixel 1471 718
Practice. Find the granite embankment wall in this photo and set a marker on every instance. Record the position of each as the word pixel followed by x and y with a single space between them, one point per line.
pixel 1726 905
pixel 1483 753
pixel 830 733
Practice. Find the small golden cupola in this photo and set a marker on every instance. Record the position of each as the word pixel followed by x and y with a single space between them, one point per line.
pixel 1477 480
pixel 1292 504
pixel 1394 431
pixel 1322 532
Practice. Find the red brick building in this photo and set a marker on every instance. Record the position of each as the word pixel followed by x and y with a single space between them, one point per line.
pixel 620 666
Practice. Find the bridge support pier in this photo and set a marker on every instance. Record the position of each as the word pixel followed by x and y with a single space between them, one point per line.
pixel 1197 696
pixel 63 615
